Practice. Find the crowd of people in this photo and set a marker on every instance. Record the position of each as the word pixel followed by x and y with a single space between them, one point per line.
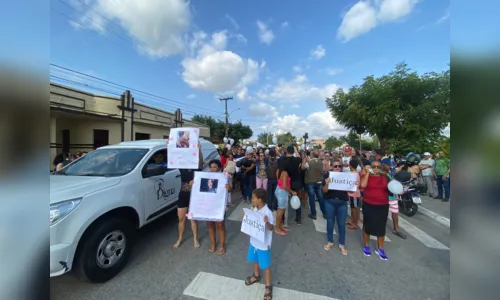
pixel 268 177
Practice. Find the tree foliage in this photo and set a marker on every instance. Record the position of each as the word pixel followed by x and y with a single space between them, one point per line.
pixel 352 139
pixel 332 142
pixel 237 130
pixel 402 105
pixel 434 145
pixel 286 138
pixel 265 138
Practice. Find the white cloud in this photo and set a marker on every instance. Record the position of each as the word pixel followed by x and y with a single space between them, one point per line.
pixel 445 17
pixel 156 26
pixel 217 70
pixel 295 106
pixel 295 90
pixel 365 15
pixel 262 110
pixel 318 52
pixel 332 71
pixel 263 64
pixel 285 24
pixel 319 125
pixel 233 22
pixel 191 96
pixel 297 69
pixel 241 38
pixel 266 35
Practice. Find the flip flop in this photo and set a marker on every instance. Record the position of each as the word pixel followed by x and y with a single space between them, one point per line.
pixel 282 233
pixel 352 227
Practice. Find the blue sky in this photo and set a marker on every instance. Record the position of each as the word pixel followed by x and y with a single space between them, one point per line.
pixel 279 60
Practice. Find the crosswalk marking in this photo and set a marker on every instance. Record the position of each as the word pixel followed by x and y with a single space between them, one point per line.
pixel 236 215
pixel 420 235
pixel 214 287
pixel 320 224
pixel 437 217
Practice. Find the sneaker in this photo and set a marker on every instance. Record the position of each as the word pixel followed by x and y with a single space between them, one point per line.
pixel 312 217
pixel 446 199
pixel 367 251
pixel 381 253
pixel 299 222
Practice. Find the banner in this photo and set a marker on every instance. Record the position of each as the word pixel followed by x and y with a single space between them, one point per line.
pixel 343 181
pixel 253 224
pixel 183 152
pixel 208 197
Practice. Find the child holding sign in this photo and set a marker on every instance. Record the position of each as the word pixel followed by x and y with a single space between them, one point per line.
pixel 259 253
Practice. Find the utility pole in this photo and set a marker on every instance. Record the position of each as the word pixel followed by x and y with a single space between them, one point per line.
pixel 227 114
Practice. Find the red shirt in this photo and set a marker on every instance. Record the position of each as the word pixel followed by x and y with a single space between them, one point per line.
pixel 376 191
pixel 223 160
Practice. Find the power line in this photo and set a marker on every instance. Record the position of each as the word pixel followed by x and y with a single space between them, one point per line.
pixel 129 88
pixel 80 24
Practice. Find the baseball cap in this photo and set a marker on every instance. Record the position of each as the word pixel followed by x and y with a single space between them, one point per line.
pixel 386 161
pixel 426 153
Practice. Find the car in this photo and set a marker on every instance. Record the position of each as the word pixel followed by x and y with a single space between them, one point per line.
pixel 98 202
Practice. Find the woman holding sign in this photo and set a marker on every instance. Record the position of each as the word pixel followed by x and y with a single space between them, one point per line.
pixel 216 166
pixel 187 176
pixel 375 207
pixel 336 209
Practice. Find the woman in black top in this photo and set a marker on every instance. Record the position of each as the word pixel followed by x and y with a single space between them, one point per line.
pixel 187 180
pixel 336 209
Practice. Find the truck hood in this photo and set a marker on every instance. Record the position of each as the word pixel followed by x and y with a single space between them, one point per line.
pixel 65 187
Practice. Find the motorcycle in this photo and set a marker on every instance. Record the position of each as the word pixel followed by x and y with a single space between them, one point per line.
pixel 409 200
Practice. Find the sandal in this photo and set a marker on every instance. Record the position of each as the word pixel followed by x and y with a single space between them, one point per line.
pixel 286 229
pixel 328 246
pixel 249 281
pixel 269 292
pixel 343 250
pixel 282 233
pixel 221 251
pixel 352 227
pixel 212 249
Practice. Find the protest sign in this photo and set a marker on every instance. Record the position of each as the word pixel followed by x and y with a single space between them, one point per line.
pixel 343 181
pixel 183 152
pixel 253 224
pixel 208 197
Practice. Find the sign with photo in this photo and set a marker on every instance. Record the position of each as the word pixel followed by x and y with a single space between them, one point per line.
pixel 208 197
pixel 183 152
pixel 342 181
pixel 253 224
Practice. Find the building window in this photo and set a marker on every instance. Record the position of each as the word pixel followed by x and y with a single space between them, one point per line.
pixel 142 136
pixel 101 138
pixel 166 137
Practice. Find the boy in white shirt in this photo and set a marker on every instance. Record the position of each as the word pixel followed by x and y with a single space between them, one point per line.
pixel 259 253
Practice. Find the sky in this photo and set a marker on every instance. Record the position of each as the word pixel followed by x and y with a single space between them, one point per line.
pixel 279 62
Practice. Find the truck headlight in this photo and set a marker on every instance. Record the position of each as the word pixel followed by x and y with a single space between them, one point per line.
pixel 59 211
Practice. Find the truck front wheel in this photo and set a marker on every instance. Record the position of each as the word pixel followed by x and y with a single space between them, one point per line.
pixel 105 250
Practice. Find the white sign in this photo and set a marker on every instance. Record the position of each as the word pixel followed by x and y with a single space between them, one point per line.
pixel 342 181
pixel 208 197
pixel 253 224
pixel 183 152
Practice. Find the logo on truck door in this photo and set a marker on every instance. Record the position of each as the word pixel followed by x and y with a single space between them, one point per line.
pixel 160 190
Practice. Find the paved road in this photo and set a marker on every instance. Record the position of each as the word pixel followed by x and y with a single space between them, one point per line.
pixel 418 268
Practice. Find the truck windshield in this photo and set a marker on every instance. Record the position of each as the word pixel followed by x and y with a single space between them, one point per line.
pixel 105 162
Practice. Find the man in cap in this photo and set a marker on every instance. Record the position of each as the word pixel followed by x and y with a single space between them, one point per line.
pixel 427 167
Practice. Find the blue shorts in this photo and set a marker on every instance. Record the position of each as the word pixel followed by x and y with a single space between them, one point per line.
pixel 263 257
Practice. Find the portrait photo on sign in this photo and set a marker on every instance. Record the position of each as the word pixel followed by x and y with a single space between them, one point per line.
pixel 208 185
pixel 183 139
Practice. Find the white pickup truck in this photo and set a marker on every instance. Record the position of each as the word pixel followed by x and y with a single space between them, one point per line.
pixel 98 202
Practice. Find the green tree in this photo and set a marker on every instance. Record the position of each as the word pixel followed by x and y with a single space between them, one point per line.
pixel 236 131
pixel 265 138
pixel 402 105
pixel 332 142
pixel 317 147
pixel 285 139
pixel 352 139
